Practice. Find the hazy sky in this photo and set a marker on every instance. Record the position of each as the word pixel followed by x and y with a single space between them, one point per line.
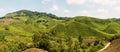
pixel 95 8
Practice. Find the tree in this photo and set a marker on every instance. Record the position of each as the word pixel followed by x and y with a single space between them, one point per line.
pixel 41 40
pixel 76 46
pixel 22 46
pixel 69 43
pixel 80 38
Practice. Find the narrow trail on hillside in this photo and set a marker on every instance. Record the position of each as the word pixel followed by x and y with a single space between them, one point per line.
pixel 104 47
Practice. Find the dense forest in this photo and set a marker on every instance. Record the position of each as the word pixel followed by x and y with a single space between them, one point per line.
pixel 26 29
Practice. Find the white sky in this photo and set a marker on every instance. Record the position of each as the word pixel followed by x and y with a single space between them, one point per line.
pixel 94 8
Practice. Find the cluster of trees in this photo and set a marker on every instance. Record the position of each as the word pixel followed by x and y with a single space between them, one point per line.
pixel 69 44
pixel 52 43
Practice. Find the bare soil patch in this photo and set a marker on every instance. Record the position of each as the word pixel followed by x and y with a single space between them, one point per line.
pixel 114 46
pixel 35 50
pixel 7 21
pixel 89 40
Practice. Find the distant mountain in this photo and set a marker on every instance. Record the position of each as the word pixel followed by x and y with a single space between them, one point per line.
pixel 31 14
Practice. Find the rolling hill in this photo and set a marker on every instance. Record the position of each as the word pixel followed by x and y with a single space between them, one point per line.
pixel 26 29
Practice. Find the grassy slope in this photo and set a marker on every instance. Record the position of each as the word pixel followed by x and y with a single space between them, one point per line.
pixel 30 22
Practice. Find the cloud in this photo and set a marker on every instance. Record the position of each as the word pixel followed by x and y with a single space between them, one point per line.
pixel 45 1
pixel 76 1
pixel 84 11
pixel 66 11
pixel 102 11
pixel 2 10
pixel 116 8
pixel 115 11
pixel 101 2
pixel 98 13
pixel 59 9
pixel 55 8
pixel 94 8
pixel 105 2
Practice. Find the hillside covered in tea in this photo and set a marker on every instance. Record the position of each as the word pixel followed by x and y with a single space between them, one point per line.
pixel 24 29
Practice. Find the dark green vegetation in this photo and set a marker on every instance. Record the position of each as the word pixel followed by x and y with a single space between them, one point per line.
pixel 25 29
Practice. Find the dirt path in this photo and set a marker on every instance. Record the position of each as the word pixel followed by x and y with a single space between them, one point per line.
pixel 104 47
